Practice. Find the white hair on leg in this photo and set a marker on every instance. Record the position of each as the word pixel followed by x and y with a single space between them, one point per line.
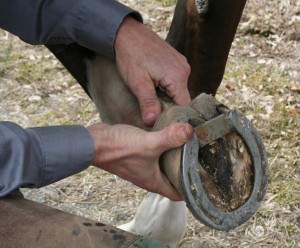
pixel 160 219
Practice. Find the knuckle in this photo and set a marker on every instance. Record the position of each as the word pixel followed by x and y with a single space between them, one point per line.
pixel 148 102
pixel 171 89
pixel 180 75
pixel 183 62
pixel 184 72
pixel 170 140
pixel 175 84
pixel 187 69
pixel 138 84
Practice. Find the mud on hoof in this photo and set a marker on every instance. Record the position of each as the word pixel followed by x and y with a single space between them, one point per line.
pixel 227 172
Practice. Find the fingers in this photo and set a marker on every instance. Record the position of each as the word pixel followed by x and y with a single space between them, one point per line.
pixel 169 191
pixel 182 97
pixel 144 61
pixel 143 88
pixel 176 81
pixel 179 93
pixel 137 160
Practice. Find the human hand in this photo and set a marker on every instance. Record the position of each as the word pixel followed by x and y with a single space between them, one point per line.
pixel 133 154
pixel 145 61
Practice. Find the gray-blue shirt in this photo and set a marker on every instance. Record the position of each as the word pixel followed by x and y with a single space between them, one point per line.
pixel 35 157
pixel 90 23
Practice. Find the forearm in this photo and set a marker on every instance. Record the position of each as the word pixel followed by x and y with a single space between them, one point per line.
pixel 36 157
pixel 90 23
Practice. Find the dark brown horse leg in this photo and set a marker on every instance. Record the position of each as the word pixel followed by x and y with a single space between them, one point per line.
pixel 204 36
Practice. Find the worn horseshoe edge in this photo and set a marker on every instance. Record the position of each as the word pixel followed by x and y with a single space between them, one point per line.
pixel 194 193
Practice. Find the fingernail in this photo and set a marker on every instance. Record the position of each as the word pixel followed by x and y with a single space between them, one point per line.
pixel 150 118
pixel 182 133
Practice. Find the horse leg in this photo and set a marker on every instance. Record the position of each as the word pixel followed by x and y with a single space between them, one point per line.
pixel 203 31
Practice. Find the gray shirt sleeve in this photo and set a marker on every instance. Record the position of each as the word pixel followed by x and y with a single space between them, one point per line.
pixel 36 157
pixel 90 23
pixel 39 156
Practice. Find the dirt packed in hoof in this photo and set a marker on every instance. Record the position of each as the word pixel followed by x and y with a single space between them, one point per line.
pixel 262 80
pixel 227 172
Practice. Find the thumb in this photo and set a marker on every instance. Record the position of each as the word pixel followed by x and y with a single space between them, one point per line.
pixel 174 136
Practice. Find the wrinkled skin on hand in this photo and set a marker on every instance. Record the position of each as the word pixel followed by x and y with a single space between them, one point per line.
pixel 133 153
pixel 144 62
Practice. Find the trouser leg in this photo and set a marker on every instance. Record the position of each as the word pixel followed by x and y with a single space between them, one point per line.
pixel 25 223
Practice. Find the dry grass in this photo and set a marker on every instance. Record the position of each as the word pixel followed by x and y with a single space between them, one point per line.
pixel 262 80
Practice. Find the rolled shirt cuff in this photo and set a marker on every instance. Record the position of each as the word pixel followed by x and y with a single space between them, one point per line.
pixel 98 32
pixel 67 151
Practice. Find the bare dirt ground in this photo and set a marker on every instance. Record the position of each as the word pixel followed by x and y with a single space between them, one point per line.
pixel 262 80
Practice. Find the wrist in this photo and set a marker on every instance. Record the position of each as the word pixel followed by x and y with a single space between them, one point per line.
pixel 127 32
pixel 97 133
